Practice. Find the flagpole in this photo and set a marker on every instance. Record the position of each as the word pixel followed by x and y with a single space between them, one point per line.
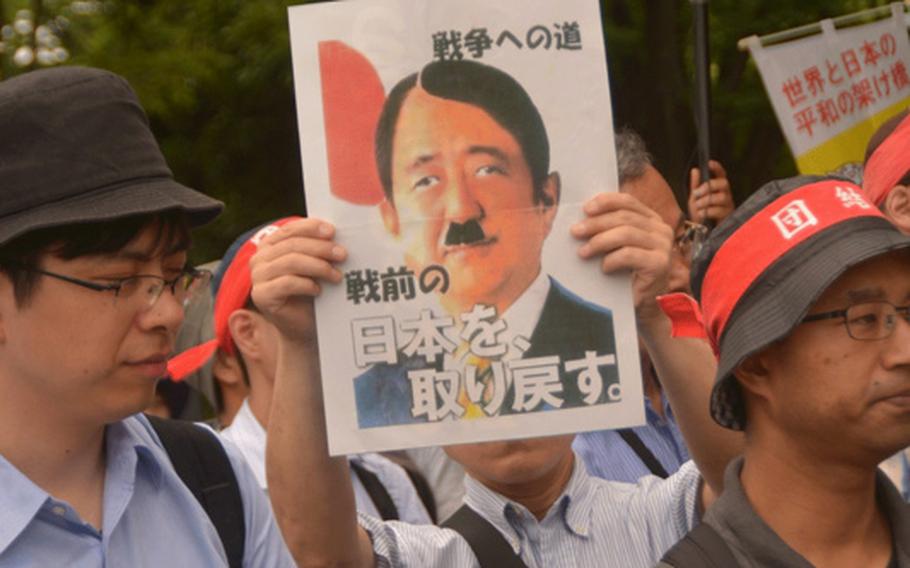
pixel 815 27
pixel 702 101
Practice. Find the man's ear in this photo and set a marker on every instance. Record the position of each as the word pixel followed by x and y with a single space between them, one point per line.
pixel 244 331
pixel 552 189
pixel 390 217
pixel 897 207
pixel 752 374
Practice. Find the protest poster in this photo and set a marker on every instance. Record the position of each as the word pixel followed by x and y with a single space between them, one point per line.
pixel 832 90
pixel 453 144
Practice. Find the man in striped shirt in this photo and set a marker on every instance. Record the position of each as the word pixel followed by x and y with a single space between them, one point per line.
pixel 536 493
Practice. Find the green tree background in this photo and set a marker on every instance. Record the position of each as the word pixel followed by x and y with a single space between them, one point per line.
pixel 215 79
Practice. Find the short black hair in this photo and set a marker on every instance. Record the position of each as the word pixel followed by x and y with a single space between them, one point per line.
pixel 883 132
pixel 82 239
pixel 488 88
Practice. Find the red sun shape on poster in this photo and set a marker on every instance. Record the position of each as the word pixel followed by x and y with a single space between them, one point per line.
pixel 352 99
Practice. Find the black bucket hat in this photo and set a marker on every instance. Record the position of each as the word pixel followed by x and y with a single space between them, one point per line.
pixel 75 147
pixel 796 236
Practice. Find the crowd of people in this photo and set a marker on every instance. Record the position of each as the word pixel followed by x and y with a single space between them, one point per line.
pixel 774 340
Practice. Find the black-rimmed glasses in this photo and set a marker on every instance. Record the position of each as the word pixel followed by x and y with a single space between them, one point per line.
pixel 146 289
pixel 867 321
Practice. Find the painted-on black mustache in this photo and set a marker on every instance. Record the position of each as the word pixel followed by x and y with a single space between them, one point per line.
pixel 464 233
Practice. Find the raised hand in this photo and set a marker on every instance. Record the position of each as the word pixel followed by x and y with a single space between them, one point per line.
pixel 288 271
pixel 712 200
pixel 630 236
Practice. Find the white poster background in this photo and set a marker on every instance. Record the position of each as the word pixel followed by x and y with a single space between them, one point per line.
pixel 569 87
pixel 830 53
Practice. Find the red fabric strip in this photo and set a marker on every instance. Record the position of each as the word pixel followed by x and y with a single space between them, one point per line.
pixel 235 288
pixel 776 229
pixel 685 316
pixel 888 164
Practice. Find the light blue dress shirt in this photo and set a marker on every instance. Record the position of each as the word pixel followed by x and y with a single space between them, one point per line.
pixel 594 523
pixel 608 456
pixel 149 517
pixel 249 437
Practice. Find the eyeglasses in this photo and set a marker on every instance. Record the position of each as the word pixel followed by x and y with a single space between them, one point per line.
pixel 691 240
pixel 145 289
pixel 868 321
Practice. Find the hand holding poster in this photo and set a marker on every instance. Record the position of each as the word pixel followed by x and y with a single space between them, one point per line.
pixel 453 146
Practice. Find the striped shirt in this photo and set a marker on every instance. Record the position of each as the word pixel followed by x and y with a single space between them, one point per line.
pixel 593 523
pixel 607 455
pixel 249 436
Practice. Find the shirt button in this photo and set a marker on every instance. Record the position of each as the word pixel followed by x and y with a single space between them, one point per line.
pixel 58 510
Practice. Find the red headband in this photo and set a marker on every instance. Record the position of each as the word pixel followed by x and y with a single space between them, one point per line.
pixel 888 163
pixel 761 241
pixel 232 295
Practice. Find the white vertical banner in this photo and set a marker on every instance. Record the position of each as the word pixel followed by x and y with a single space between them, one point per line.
pixel 830 91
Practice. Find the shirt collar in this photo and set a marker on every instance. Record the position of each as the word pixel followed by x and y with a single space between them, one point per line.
pixel 898 513
pixel 130 437
pixel 522 316
pixel 20 501
pixel 249 436
pixel 733 509
pixel 246 424
pixel 575 506
pixel 653 418
pixel 129 450
pixel 579 500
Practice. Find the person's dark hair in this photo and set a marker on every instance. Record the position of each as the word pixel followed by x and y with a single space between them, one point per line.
pixel 632 156
pixel 883 132
pixel 71 241
pixel 493 91
pixel 175 396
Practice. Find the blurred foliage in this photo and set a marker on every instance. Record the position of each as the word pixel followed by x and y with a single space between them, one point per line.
pixel 650 55
pixel 215 79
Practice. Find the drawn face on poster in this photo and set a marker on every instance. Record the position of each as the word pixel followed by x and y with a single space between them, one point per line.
pixel 452 308
pixel 463 158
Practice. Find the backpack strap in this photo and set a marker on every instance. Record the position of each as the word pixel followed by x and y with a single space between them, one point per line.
pixel 643 452
pixel 202 464
pixel 379 495
pixel 701 548
pixel 424 491
pixel 489 546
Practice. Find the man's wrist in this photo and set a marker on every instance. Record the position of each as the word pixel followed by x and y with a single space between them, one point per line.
pixel 652 321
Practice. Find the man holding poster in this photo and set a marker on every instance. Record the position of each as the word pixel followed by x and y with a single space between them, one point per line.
pixel 535 494
pixel 463 157
pixel 464 185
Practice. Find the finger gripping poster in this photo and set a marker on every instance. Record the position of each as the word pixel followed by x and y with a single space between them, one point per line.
pixel 453 144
